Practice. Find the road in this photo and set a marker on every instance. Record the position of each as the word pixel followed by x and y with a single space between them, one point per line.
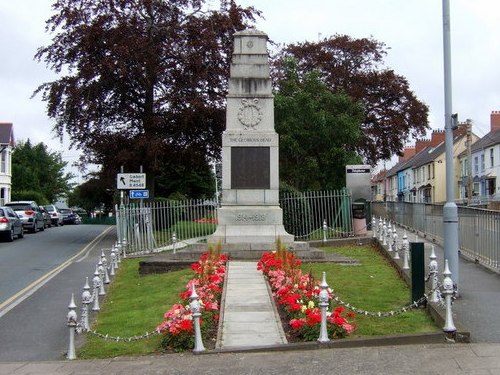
pixel 54 264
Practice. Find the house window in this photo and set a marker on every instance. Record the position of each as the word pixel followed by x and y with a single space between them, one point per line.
pixel 476 166
pixel 428 171
pixel 476 188
pixel 482 162
pixel 3 162
pixel 492 158
pixel 464 167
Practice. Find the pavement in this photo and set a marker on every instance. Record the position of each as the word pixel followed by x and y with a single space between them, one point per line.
pixel 478 309
pixel 248 315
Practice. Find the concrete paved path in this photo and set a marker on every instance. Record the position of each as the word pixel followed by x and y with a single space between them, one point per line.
pixel 435 359
pixel 478 308
pixel 249 315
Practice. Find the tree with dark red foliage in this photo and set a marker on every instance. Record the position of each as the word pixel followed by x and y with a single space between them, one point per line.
pixel 392 112
pixel 141 82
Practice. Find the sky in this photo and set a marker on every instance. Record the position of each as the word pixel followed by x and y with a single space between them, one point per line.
pixel 411 29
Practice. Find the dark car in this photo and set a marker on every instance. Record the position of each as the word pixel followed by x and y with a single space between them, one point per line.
pixel 70 217
pixel 10 224
pixel 29 213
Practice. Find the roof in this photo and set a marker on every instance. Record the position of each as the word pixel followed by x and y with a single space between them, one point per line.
pixel 6 134
pixel 490 139
pixel 425 156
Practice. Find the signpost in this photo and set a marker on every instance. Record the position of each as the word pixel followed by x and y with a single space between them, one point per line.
pixel 139 194
pixel 128 181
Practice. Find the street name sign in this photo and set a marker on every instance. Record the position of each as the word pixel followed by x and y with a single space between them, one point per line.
pixel 139 194
pixel 127 181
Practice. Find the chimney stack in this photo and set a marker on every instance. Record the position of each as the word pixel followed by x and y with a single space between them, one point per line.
pixel 420 144
pixel 437 137
pixel 408 152
pixel 495 121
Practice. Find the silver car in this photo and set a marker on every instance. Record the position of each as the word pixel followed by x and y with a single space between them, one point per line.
pixel 30 214
pixel 10 224
pixel 55 215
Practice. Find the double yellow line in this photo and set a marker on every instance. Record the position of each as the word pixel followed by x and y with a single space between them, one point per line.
pixel 20 296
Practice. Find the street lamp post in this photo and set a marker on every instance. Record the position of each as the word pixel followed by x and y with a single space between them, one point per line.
pixel 450 210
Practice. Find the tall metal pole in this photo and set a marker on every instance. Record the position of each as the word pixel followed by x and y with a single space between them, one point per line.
pixel 450 211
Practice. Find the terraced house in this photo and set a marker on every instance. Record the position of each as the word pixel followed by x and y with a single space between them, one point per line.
pixel 480 167
pixel 6 145
pixel 420 174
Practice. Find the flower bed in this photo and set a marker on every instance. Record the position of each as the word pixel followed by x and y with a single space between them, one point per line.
pixel 177 328
pixel 296 295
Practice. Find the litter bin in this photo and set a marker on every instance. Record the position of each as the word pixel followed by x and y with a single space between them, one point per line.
pixel 359 218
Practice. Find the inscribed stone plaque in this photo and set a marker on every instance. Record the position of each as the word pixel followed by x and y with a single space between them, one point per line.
pixel 250 168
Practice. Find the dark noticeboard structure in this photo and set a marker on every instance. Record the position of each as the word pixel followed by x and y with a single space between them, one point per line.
pixel 250 168
pixel 417 270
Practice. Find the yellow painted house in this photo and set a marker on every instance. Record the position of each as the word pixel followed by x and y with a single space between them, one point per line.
pixel 421 176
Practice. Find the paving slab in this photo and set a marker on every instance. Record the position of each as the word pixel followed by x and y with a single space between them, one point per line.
pixel 250 318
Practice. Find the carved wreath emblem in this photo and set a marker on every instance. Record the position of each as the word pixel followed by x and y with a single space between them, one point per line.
pixel 250 114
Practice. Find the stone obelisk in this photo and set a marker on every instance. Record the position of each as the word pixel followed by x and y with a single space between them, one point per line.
pixel 250 215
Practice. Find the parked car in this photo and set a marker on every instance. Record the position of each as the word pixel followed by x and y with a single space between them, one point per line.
pixel 65 212
pixel 56 216
pixel 10 224
pixel 72 218
pixel 47 222
pixel 30 214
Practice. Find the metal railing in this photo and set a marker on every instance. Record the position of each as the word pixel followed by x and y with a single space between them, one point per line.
pixel 305 214
pixel 156 226
pixel 478 229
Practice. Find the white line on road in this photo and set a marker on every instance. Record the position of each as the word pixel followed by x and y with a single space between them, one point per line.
pixel 20 296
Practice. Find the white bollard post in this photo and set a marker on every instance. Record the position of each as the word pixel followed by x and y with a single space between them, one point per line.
pixel 105 266
pixel 433 271
pixel 374 227
pixel 174 241
pixel 323 298
pixel 86 300
pixel 96 283
pixel 100 270
pixel 72 323
pixel 406 251
pixel 118 254
pixel 384 234
pixel 389 237
pixel 449 326
pixel 196 312
pixel 325 228
pixel 124 248
pixel 112 262
pixel 395 243
pixel 380 229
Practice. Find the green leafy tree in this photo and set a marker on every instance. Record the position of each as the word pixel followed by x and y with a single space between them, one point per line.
pixel 318 130
pixel 38 173
pixel 90 195
pixel 141 82
pixel 392 112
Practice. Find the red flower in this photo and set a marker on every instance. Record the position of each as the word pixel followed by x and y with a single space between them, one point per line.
pixel 296 323
pixel 186 325
pixel 313 319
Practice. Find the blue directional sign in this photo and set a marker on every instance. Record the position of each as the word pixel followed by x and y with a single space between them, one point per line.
pixel 139 194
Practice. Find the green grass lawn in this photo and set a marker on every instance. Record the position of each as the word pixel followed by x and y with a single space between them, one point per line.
pixel 135 304
pixel 373 286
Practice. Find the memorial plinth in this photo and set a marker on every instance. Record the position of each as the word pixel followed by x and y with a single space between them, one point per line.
pixel 250 211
